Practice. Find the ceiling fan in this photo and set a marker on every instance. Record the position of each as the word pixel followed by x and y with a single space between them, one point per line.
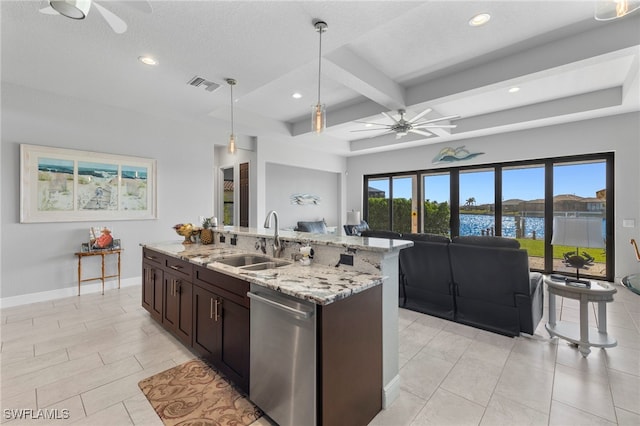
pixel 401 126
pixel 78 9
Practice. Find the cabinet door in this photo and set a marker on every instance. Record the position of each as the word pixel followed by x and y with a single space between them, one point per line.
pixel 234 343
pixel 170 305
pixel 152 294
pixel 184 322
pixel 205 325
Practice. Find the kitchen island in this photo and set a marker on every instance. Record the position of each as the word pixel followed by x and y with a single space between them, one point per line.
pixel 204 302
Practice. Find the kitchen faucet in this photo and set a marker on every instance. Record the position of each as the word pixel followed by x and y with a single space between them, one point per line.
pixel 277 245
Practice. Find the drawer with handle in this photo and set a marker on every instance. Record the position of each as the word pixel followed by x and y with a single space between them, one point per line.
pixel 179 267
pixel 153 257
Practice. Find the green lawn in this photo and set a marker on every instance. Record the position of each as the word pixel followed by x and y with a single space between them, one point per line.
pixel 536 248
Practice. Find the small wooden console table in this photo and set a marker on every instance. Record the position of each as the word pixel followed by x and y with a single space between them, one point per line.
pixel 582 335
pixel 102 277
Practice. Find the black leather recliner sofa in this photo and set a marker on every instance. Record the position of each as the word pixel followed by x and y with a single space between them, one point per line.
pixel 425 276
pixel 479 281
pixel 493 287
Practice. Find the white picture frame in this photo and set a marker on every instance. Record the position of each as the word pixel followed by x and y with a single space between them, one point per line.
pixel 66 185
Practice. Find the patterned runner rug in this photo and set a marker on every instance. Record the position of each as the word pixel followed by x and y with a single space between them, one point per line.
pixel 194 394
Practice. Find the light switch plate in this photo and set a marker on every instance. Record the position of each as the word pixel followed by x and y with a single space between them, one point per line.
pixel 628 223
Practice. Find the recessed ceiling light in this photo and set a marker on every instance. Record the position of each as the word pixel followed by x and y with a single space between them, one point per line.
pixel 479 19
pixel 514 89
pixel 368 125
pixel 296 95
pixel 147 60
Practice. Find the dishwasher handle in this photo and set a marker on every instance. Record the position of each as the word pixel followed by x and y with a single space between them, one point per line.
pixel 273 303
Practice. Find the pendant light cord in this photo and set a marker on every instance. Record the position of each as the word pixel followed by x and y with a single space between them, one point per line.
pixel 231 109
pixel 321 30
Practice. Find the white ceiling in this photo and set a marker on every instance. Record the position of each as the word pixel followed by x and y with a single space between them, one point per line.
pixel 377 56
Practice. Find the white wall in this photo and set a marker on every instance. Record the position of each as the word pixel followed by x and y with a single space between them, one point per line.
pixel 284 181
pixel 275 151
pixel 620 134
pixel 39 257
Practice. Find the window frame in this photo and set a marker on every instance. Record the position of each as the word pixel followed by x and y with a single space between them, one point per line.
pixel 548 164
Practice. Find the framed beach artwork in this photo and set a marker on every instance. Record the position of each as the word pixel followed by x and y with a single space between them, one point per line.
pixel 65 185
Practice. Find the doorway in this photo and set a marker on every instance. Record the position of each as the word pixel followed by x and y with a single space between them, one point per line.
pixel 235 198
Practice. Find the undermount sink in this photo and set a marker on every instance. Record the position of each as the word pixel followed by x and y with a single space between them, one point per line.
pixel 253 262
pixel 266 265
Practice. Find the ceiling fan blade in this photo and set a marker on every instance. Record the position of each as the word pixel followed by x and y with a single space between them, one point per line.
pixel 368 130
pixel 389 116
pixel 419 116
pixel 140 5
pixel 117 24
pixel 436 126
pixel 420 132
pixel 433 120
pixel 370 122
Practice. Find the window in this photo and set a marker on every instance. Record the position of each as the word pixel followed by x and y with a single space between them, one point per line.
pixel 405 207
pixel 523 209
pixel 378 215
pixel 514 200
pixel 579 191
pixel 477 196
pixel 436 213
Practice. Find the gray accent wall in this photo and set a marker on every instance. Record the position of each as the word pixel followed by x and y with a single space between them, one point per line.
pixel 283 181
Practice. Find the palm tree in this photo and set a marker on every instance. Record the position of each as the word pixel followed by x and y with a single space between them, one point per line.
pixel 471 201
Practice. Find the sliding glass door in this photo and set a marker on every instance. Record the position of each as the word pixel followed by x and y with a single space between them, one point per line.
pixel 436 215
pixel 514 200
pixel 405 207
pixel 392 203
pixel 523 209
pixel 579 192
pixel 477 197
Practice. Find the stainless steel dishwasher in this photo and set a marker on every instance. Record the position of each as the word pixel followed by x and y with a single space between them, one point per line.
pixel 283 357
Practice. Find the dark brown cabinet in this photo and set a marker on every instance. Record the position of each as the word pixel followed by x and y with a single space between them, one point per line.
pixel 177 309
pixel 208 311
pixel 233 338
pixel 350 359
pixel 152 283
pixel 152 297
pixel 205 316
pixel 221 323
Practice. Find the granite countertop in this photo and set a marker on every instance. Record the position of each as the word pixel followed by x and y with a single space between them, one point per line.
pixel 319 284
pixel 362 243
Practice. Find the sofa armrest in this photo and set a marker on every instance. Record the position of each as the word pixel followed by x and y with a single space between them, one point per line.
pixel 530 305
pixel 535 281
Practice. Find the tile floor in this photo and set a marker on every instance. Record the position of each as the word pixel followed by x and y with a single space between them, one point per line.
pixel 86 355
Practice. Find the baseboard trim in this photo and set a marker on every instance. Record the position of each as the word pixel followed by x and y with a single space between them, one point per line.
pixel 390 392
pixel 44 296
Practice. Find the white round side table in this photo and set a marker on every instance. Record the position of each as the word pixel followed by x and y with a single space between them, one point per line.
pixel 581 334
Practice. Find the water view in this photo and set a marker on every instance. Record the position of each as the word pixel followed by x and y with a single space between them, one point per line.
pixel 474 224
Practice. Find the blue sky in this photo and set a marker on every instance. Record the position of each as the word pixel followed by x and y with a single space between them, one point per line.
pixel 524 183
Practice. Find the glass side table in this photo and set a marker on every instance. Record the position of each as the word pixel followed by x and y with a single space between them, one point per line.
pixel 102 277
pixel 581 334
pixel 632 282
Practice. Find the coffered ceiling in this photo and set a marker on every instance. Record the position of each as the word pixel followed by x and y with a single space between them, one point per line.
pixel 378 56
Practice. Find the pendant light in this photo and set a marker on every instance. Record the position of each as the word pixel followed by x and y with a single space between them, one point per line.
pixel 232 138
pixel 318 113
pixel 613 9
pixel 76 9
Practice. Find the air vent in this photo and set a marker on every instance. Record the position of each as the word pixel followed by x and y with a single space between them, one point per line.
pixel 209 86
